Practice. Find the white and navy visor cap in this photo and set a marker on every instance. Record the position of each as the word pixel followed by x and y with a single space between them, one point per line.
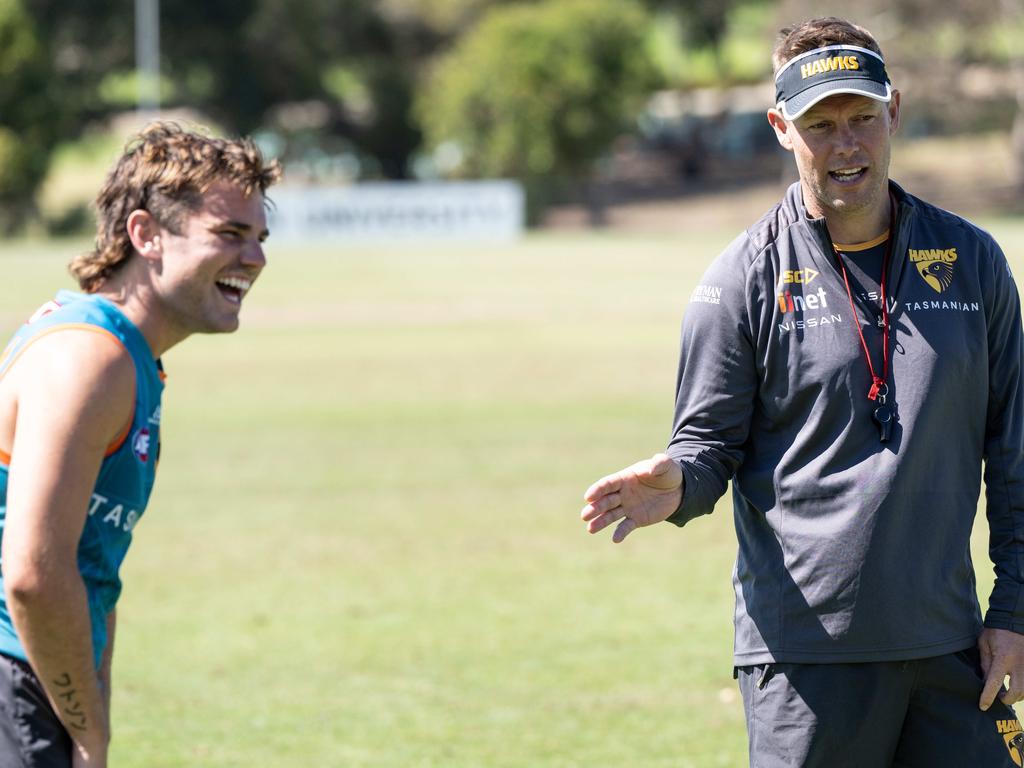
pixel 806 79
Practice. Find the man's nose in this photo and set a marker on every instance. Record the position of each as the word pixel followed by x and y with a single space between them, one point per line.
pixel 253 255
pixel 846 140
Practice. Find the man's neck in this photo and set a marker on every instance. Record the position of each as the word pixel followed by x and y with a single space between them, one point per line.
pixel 136 304
pixel 855 227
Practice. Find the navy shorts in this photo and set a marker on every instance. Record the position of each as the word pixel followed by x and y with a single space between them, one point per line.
pixel 31 736
pixel 904 714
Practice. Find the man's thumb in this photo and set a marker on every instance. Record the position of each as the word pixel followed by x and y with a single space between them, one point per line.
pixel 659 464
pixel 660 471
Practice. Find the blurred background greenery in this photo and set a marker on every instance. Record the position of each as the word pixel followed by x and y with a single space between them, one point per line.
pixel 593 103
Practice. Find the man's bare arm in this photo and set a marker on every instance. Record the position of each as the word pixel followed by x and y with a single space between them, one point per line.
pixel 106 664
pixel 74 392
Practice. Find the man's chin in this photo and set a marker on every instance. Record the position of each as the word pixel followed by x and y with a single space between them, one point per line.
pixel 851 201
pixel 222 325
pixel 863 194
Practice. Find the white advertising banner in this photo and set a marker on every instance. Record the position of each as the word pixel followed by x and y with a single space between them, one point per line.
pixel 492 211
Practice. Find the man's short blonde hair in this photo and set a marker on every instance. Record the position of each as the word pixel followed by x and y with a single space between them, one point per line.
pixel 818 33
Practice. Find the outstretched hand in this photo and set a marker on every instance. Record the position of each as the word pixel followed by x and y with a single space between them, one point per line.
pixel 644 494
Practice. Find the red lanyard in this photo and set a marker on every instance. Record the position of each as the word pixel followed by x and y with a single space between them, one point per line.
pixel 877 383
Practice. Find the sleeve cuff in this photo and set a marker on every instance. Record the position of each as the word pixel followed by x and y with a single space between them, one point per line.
pixel 681 517
pixel 1004 620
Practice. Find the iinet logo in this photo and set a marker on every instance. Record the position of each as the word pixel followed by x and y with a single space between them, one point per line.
pixel 790 303
pixel 799 305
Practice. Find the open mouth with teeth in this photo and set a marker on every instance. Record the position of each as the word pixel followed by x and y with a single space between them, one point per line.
pixel 233 288
pixel 847 175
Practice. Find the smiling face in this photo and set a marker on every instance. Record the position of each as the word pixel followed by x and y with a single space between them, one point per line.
pixel 206 269
pixel 841 146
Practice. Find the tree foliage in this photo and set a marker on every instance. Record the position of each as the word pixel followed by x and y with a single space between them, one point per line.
pixel 529 88
pixel 705 22
pixel 29 124
pixel 541 90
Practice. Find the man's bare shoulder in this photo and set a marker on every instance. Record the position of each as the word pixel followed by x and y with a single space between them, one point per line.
pixel 77 352
pixel 88 372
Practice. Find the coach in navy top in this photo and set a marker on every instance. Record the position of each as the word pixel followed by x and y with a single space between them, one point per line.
pixel 851 362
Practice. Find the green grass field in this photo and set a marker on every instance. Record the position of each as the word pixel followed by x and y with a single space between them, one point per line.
pixel 364 547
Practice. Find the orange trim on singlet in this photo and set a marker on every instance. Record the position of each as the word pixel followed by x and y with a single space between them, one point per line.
pixel 118 441
pixel 115 446
pixel 862 246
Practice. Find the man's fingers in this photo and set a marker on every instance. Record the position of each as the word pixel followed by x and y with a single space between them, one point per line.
pixel 650 469
pixel 984 655
pixel 625 528
pixel 604 486
pixel 602 522
pixel 644 486
pixel 600 506
pixel 1015 691
pixel 1012 695
pixel 596 519
pixel 993 682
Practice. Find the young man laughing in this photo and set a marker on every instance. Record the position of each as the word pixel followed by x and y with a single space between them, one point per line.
pixel 181 225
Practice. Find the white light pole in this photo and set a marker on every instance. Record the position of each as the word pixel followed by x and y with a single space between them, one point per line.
pixel 147 54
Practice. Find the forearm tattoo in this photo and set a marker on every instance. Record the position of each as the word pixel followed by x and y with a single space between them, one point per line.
pixel 69 703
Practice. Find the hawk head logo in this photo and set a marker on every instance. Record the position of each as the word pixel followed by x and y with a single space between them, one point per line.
pixel 938 274
pixel 1015 744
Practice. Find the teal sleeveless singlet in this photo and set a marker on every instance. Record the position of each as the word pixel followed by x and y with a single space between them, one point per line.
pixel 126 475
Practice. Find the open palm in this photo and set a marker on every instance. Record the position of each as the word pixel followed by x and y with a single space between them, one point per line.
pixel 645 493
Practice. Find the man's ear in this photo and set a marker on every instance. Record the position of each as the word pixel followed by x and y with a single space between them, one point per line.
pixel 144 233
pixel 782 127
pixel 894 112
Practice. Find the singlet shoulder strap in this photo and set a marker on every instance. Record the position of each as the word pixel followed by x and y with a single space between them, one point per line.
pixel 14 352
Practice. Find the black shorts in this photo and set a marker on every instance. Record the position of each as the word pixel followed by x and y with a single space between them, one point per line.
pixel 903 714
pixel 31 736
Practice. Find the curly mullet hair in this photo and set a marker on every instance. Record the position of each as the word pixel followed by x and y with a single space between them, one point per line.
pixel 164 170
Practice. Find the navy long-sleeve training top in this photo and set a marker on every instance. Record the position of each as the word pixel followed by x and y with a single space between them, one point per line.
pixel 851 549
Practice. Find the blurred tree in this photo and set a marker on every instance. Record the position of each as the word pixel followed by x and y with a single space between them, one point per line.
pixel 238 60
pixel 530 104
pixel 539 92
pixel 350 69
pixel 707 27
pixel 704 23
pixel 30 124
pixel 444 18
pixel 286 52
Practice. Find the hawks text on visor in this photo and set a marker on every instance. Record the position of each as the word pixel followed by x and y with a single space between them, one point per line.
pixel 806 79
